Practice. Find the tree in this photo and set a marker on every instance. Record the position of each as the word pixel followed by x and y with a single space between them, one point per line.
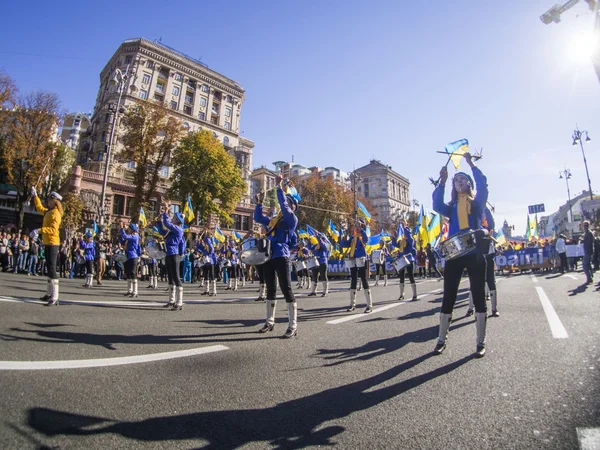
pixel 203 169
pixel 8 91
pixel 28 143
pixel 59 169
pixel 150 135
pixel 73 214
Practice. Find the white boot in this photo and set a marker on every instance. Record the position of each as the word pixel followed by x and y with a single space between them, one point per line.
pixel 129 288
pixel 171 297
pixel 293 320
pixel 325 288
pixel 376 280
pixel 414 289
pixel 214 288
pixel 369 300
pixel 480 324
pixel 243 281
pixel 261 293
pixel 445 320
pixel 235 284
pixel 471 307
pixel 494 300
pixel 385 280
pixel 270 323
pixel 313 293
pixel 487 291
pixel 401 292
pixel 48 295
pixel 91 280
pixel 135 288
pixel 53 300
pixel 352 300
pixel 154 282
pixel 179 299
pixel 309 282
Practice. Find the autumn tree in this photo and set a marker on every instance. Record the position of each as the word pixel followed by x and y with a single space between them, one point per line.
pixel 8 91
pixel 59 169
pixel 150 135
pixel 73 214
pixel 203 169
pixel 29 136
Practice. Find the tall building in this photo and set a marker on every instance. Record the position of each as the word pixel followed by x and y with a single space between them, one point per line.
pixel 291 169
pixel 200 97
pixel 387 190
pixel 74 126
pixel 507 229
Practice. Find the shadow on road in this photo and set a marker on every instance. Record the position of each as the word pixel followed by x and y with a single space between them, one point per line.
pixel 290 425
pixel 578 290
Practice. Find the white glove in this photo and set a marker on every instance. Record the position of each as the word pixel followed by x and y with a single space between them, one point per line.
pixel 33 191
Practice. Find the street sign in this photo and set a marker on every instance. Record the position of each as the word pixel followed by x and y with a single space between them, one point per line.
pixel 534 209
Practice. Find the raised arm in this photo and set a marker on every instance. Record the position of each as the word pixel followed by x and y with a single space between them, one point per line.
pixel 438 195
pixel 288 215
pixel 38 205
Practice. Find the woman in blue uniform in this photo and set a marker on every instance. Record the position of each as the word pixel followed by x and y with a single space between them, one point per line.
pixel 356 252
pixel 464 212
pixel 406 248
pixel 89 253
pixel 131 243
pixel 175 248
pixel 321 252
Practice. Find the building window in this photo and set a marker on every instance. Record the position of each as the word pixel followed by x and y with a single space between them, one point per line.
pixel 150 64
pixel 229 99
pixel 215 108
pixel 241 222
pixel 128 205
pixel 164 171
pixel 189 98
pixel 175 90
pixel 106 117
pixel 204 88
pixel 160 88
pixel 118 204
pixel 186 126
pixel 178 77
pixel 187 110
pixel 203 101
pixel 227 112
pixel 103 138
pixel 173 105
pixel 130 165
pixel 201 116
pixel 128 59
pixel 146 79
pixel 214 120
pixel 143 94
pixel 228 125
pixel 226 141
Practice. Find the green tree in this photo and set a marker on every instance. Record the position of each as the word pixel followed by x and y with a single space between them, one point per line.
pixel 28 143
pixel 73 214
pixel 203 169
pixel 59 169
pixel 150 135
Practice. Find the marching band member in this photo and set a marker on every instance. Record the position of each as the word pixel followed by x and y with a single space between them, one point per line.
pixel 230 252
pixel 86 245
pixel 51 240
pixel 380 263
pixel 487 221
pixel 282 234
pixel 464 212
pixel 209 259
pixel 321 252
pixel 303 255
pixel 175 247
pixel 131 241
pixel 357 251
pixel 406 248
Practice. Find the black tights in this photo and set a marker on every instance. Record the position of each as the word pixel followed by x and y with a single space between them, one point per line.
pixel 208 272
pixel 51 260
pixel 322 271
pixel 280 268
pixel 131 267
pixel 358 272
pixel 476 268
pixel 173 274
pixel 490 277
pixel 409 271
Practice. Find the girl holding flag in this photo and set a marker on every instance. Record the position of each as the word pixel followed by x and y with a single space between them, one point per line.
pixel 321 252
pixel 464 212
pixel 404 242
pixel 357 253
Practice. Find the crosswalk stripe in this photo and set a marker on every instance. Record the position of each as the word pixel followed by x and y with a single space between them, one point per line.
pixel 556 326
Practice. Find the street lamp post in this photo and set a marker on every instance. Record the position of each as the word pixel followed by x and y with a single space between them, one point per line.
pixel 578 138
pixel 354 177
pixel 566 174
pixel 119 79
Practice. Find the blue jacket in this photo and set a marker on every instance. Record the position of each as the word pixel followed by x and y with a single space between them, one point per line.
pixel 320 250
pixel 450 209
pixel 359 250
pixel 89 249
pixel 409 247
pixel 230 253
pixel 282 235
pixel 131 243
pixel 489 218
pixel 174 242
pixel 206 247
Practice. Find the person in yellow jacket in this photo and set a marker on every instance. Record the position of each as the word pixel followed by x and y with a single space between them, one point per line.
pixel 50 239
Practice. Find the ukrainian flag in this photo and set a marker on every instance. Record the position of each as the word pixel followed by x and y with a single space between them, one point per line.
pixel 311 230
pixel 188 210
pixel 291 190
pixel 500 238
pixel 457 150
pixel 95 232
pixel 142 219
pixel 302 234
pixel 434 228
pixel 219 236
pixel 362 212
pixel 236 236
pixel 332 230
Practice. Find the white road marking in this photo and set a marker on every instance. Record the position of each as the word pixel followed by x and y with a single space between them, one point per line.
pixel 86 363
pixel 573 277
pixel 381 308
pixel 589 438
pixel 534 278
pixel 556 326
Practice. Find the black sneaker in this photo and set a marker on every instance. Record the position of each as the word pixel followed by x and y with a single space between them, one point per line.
pixel 312 294
pixel 469 313
pixel 480 352
pixel 45 298
pixel 352 308
pixel 177 307
pixel 266 328
pixel 495 313
pixel 290 333
pixel 439 348
pixel 260 299
pixel 52 302
pixel 368 310
pixel 168 305
pixel 323 294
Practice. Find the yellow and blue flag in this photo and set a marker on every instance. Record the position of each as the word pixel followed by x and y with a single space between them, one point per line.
pixel 95 231
pixel 311 230
pixel 143 220
pixel 362 212
pixel 291 190
pixel 219 236
pixel 457 150
pixel 303 234
pixel 188 210
pixel 500 238
pixel 236 236
pixel 333 231
pixel 434 229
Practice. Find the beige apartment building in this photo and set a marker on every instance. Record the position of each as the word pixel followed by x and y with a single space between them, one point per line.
pixel 74 126
pixel 200 97
pixel 387 191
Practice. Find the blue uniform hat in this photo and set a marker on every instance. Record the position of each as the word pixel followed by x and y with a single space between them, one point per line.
pixel 180 217
pixel 292 201
pixel 134 227
pixel 88 234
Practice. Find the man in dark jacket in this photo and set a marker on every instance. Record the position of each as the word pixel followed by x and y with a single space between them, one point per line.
pixel 588 251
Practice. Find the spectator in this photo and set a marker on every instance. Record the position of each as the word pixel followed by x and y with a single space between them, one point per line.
pixel 33 258
pixel 588 251
pixel 561 249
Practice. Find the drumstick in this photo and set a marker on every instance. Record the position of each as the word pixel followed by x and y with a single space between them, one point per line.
pixel 29 198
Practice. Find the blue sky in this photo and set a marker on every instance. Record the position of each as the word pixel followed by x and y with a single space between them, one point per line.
pixel 340 82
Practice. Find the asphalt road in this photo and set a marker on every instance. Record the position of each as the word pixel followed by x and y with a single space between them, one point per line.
pixel 368 382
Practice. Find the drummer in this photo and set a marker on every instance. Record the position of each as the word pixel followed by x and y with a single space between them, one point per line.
pixel 230 253
pixel 131 240
pixel 208 259
pixel 357 253
pixel 464 212
pixel 321 252
pixel 379 256
pixel 303 277
pixel 405 249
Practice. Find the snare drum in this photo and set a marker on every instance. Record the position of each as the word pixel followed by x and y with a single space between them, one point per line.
pixel 311 263
pixel 401 262
pixel 377 257
pixel 153 250
pixel 300 266
pixel 458 245
pixel 251 254
pixel 361 261
pixel 350 263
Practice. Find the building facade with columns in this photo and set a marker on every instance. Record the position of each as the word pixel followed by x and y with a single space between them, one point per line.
pixel 201 98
